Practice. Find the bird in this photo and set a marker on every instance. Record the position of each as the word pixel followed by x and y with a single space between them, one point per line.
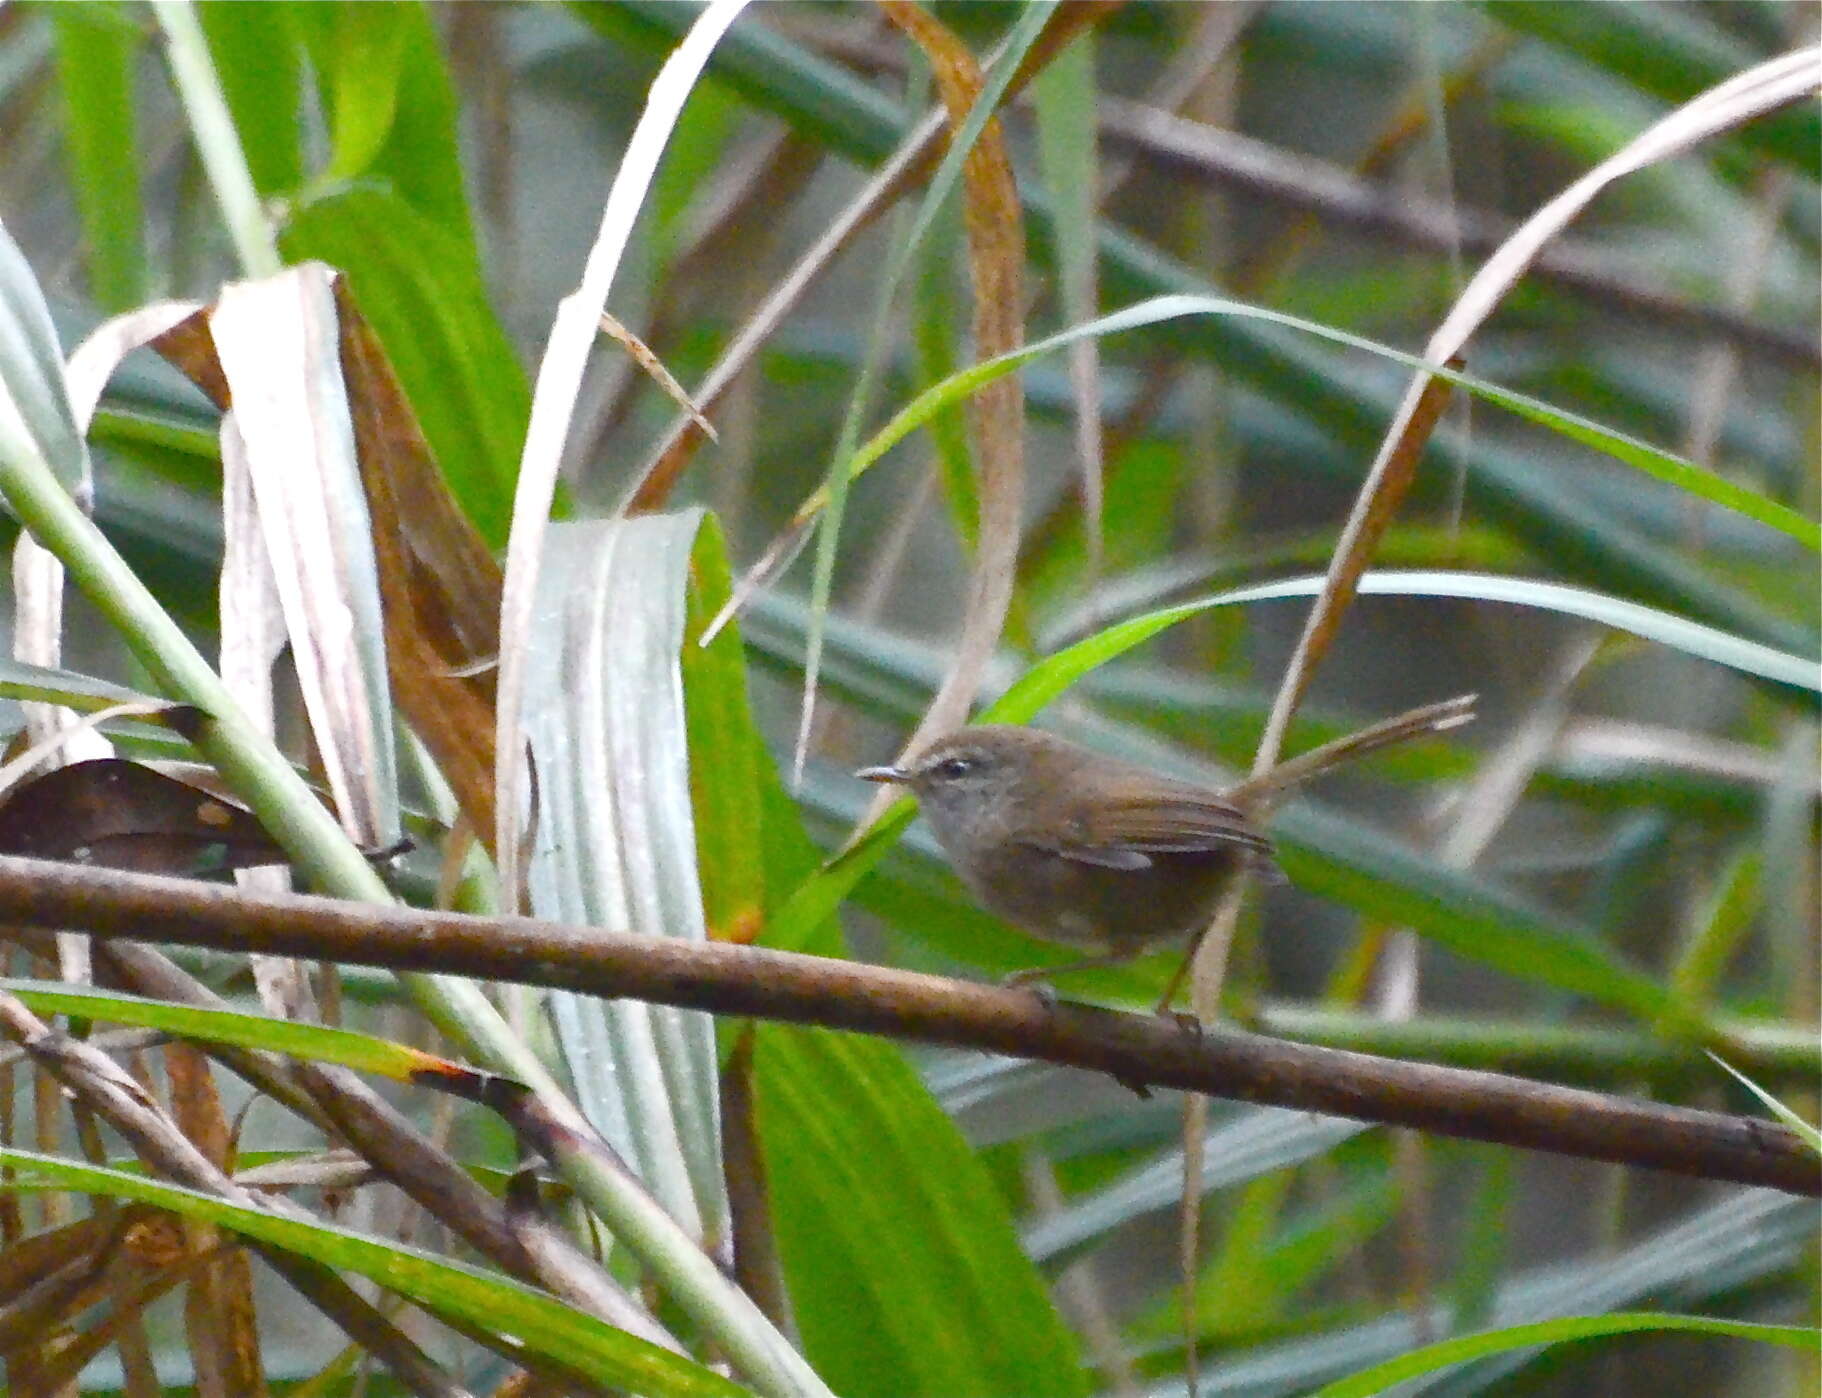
pixel 1103 855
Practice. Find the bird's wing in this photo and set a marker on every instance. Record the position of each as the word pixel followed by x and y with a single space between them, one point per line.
pixel 1121 835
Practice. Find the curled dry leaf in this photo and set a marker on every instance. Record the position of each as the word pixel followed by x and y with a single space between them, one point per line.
pixel 276 342
pixel 124 815
pixel 440 582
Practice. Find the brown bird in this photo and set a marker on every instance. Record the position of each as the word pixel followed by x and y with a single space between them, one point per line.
pixel 1086 850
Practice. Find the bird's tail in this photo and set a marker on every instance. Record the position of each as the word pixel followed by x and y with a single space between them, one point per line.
pixel 1431 718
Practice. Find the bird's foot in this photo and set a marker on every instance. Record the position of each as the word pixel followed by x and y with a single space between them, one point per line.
pixel 1185 1020
pixel 1135 1086
pixel 1033 979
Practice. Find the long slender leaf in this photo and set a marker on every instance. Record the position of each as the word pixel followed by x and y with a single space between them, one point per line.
pixel 616 840
pixel 19 680
pixel 316 1043
pixel 906 1274
pixel 1747 1235
pixel 1664 465
pixel 1692 638
pixel 420 287
pixel 728 760
pixel 1431 1358
pixel 393 114
pixel 97 50
pixel 258 61
pixel 1673 53
pixel 1324 853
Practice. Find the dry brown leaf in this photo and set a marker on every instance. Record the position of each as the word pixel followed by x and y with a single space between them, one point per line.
pixel 218 1306
pixel 440 582
pixel 996 260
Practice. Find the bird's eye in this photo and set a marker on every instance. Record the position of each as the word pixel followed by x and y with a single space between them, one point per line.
pixel 952 767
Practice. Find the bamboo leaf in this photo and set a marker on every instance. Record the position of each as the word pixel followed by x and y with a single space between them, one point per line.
pixel 1442 1355
pixel 1778 1109
pixel 1592 543
pixel 393 113
pixel 278 342
pixel 19 680
pixel 257 59
pixel 728 760
pixel 905 1273
pixel 316 1043
pixel 1664 465
pixel 97 53
pixel 1674 54
pixel 616 844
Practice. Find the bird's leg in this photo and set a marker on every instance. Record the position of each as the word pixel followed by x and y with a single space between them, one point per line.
pixel 1188 1021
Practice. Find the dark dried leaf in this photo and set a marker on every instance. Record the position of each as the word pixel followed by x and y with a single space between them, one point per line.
pixel 124 815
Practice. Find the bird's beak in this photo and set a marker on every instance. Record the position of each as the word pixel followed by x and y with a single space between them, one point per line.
pixel 883 774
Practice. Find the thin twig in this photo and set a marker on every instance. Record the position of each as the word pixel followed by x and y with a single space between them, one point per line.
pixel 1229 159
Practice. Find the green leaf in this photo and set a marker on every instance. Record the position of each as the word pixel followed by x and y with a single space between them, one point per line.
pixel 708 122
pixel 934 334
pixel 544 1325
pixel 1772 1104
pixel 19 680
pixel 315 1043
pixel 97 54
pixel 360 65
pixel 257 59
pixel 1692 638
pixel 815 901
pixel 1253 1143
pixel 1673 52
pixel 1431 1358
pixel 906 1276
pixel 1747 1235
pixel 1385 879
pixel 1030 22
pixel 1717 929
pixel 728 759
pixel 616 847
pixel 1664 465
pixel 1065 94
pixel 420 288
pixel 1324 853
pixel 820 98
pixel 36 421
pixel 1581 537
pixel 392 108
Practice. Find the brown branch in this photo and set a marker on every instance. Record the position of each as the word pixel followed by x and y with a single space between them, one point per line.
pixel 1141 1050
pixel 1213 156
